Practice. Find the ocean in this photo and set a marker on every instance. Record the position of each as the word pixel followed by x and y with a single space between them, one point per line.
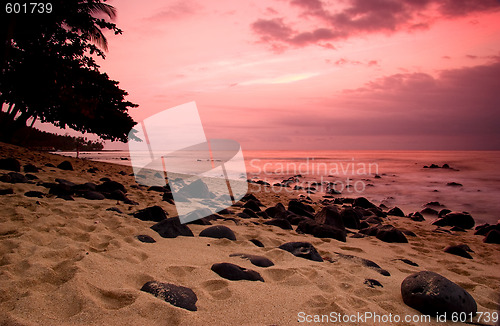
pixel 392 178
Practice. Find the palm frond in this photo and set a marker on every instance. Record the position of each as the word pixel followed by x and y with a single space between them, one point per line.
pixel 99 8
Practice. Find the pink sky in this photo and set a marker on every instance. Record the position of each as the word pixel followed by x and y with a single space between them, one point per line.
pixel 312 74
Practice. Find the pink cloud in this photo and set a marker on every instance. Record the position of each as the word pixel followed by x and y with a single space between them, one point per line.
pixel 362 17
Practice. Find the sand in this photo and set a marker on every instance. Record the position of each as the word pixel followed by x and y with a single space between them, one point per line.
pixel 75 263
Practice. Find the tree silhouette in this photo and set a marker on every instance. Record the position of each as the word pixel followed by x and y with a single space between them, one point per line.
pixel 48 71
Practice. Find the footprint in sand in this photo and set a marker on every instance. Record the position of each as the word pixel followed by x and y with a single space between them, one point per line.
pixel 316 301
pixel 113 299
pixel 291 276
pixel 355 249
pixel 180 271
pixel 217 289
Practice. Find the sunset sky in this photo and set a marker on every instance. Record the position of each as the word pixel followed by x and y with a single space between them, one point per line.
pixel 312 74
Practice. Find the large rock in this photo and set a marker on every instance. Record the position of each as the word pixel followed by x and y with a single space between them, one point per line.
pixel 276 211
pixel 218 232
pixel 110 186
pixel 279 222
pixel 14 177
pixel 7 191
pixel 93 195
pixel 351 217
pixel 252 205
pixel 363 202
pixel 153 213
pixel 65 165
pixel 10 164
pixel 309 226
pixel 330 215
pixel 458 251
pixel 431 294
pixel 460 219
pixel 300 208
pixel 389 233
pixel 493 236
pixel 172 228
pixel 235 273
pixel 302 249
pixel 255 259
pixel 396 211
pixel 176 295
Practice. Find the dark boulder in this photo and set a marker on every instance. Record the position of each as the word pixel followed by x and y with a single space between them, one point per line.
pixel 30 176
pixel 250 213
pixel 330 215
pixel 218 232
pixel 243 215
pixel 236 273
pixel 389 233
pixel 6 191
pixel 303 250
pixel 363 202
pixel 443 212
pixel 396 211
pixel 279 222
pixel 65 165
pixel 14 177
pixel 110 186
pixel 255 259
pixel 461 219
pixel 458 251
pixel 153 213
pixel 431 294
pixel 30 168
pixel 493 236
pixel 371 231
pixel 429 211
pixel 256 242
pixel 176 295
pixel 485 228
pixel 10 164
pixel 417 217
pixel 350 217
pixel 252 205
pixel 377 212
pixel 37 194
pixel 300 208
pixel 172 228
pixel 309 226
pixel 276 211
pixel 116 195
pixel 93 195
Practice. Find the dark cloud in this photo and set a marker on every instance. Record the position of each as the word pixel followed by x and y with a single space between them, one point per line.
pixel 362 16
pixel 458 109
pixel 272 29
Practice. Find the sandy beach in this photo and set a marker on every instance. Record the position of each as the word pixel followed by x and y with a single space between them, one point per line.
pixel 75 262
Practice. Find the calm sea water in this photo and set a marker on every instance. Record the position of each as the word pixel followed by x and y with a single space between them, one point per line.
pixel 402 179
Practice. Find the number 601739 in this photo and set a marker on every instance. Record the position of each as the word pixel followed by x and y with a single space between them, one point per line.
pixel 28 7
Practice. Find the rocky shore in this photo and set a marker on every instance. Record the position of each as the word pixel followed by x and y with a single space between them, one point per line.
pixel 81 243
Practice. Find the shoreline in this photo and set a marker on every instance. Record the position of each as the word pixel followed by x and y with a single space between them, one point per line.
pixel 75 262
